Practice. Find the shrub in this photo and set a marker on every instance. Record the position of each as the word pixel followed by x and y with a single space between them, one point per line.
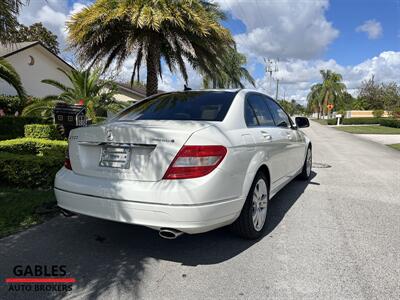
pixel 378 113
pixel 396 113
pixel 390 122
pixel 12 127
pixel 356 121
pixel 29 162
pixel 34 146
pixel 28 170
pixel 11 104
pixel 42 131
pixel 100 120
pixel 332 121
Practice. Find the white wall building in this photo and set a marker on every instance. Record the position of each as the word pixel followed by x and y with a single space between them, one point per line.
pixel 34 62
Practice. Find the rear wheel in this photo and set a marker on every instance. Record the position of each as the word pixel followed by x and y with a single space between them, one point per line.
pixel 306 172
pixel 252 220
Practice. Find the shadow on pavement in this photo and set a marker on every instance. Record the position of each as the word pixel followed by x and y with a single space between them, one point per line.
pixel 102 254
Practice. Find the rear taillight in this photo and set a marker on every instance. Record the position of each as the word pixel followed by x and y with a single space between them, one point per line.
pixel 195 161
pixel 67 161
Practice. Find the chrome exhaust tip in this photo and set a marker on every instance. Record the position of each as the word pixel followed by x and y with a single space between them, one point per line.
pixel 169 233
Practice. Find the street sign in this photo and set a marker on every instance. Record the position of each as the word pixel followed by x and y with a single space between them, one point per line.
pixel 330 106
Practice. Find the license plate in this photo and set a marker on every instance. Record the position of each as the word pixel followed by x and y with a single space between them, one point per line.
pixel 115 157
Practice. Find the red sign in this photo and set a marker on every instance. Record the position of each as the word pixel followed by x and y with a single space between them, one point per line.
pixel 330 106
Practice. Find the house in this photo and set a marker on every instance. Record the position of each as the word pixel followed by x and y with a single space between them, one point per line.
pixel 34 62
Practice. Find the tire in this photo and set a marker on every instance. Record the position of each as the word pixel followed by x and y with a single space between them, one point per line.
pixel 306 171
pixel 244 225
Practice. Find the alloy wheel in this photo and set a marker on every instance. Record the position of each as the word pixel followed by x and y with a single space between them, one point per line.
pixel 260 204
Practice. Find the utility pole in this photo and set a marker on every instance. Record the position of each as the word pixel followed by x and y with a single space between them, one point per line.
pixel 272 67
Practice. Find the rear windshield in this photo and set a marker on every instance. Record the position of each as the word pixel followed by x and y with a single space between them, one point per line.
pixel 193 105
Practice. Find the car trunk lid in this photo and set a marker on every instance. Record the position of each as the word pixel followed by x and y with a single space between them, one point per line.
pixel 135 150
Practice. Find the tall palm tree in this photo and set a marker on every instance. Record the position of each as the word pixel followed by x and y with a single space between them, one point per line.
pixel 9 75
pixel 330 91
pixel 231 73
pixel 85 86
pixel 156 31
pixel 314 99
pixel 332 88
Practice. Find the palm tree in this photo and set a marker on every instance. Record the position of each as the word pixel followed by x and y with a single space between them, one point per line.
pixel 332 88
pixel 231 73
pixel 314 99
pixel 330 91
pixel 9 75
pixel 86 87
pixel 156 31
pixel 9 9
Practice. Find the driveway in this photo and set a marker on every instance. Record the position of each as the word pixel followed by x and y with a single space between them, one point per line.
pixel 337 237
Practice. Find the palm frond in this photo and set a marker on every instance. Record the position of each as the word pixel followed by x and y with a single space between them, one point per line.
pixel 10 75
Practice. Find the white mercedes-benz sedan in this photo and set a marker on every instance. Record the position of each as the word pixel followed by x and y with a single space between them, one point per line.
pixel 186 162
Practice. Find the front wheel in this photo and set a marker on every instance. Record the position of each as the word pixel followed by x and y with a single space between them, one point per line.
pixel 306 171
pixel 252 220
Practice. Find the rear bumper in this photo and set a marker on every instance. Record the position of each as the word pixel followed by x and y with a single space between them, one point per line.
pixel 191 206
pixel 189 219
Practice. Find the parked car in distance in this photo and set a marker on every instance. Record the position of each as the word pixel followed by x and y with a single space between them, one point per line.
pixel 186 162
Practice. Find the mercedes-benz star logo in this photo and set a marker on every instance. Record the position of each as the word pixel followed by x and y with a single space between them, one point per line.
pixel 109 135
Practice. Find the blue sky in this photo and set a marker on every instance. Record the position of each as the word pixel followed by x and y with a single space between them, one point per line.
pixel 353 47
pixel 357 38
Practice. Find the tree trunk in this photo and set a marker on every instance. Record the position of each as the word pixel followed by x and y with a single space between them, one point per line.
pixel 325 106
pixel 152 61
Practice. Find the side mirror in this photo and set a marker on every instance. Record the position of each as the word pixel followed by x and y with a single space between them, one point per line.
pixel 302 122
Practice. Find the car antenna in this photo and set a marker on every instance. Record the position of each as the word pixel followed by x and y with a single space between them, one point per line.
pixel 186 88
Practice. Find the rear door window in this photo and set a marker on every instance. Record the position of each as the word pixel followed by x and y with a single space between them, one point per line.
pixel 280 117
pixel 257 112
pixel 193 105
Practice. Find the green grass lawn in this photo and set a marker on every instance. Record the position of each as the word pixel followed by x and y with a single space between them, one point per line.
pixel 22 208
pixel 321 121
pixel 395 146
pixel 370 129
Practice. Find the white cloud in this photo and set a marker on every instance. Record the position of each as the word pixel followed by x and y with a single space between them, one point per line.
pixel 49 16
pixel 295 31
pixel 297 76
pixel 285 29
pixel 372 28
pixel 52 13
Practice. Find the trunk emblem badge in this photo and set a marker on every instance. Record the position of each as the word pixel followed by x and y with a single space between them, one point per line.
pixel 110 136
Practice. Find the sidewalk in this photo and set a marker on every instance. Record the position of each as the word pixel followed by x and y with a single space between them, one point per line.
pixel 386 139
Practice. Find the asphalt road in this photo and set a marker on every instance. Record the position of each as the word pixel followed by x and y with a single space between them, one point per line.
pixel 337 237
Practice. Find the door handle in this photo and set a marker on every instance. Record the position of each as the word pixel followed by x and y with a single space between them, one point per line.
pixel 266 135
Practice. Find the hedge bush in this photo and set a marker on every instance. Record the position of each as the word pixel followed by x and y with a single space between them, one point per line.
pixel 34 146
pixel 28 170
pixel 378 113
pixel 100 120
pixel 354 121
pixel 390 122
pixel 42 131
pixel 331 121
pixel 11 104
pixel 29 162
pixel 13 127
